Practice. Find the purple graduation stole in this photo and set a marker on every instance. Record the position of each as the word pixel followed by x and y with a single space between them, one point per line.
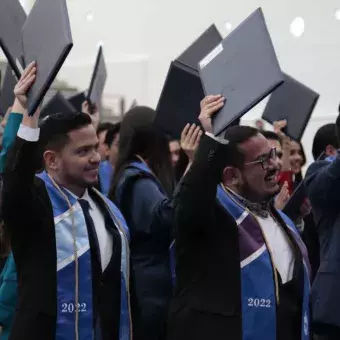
pixel 258 289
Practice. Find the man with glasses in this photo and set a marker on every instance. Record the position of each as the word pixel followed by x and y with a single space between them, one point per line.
pixel 242 269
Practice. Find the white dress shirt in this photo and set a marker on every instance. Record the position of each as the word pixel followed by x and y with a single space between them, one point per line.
pixel 281 249
pixel 104 237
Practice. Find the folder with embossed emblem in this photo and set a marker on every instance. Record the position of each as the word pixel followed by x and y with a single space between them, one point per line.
pixel 243 68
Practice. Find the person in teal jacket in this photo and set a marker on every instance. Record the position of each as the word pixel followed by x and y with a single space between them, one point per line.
pixel 11 129
pixel 8 296
pixel 8 276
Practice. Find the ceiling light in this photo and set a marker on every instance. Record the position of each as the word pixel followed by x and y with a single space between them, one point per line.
pixel 89 16
pixel 228 26
pixel 337 14
pixel 297 27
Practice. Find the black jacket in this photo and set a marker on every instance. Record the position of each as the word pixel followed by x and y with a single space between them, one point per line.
pixel 207 302
pixel 322 184
pixel 28 215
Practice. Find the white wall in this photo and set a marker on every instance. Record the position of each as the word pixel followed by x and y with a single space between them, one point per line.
pixel 141 37
pixel 26 4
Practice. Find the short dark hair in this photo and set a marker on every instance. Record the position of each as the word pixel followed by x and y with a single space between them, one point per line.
pixel 54 129
pixel 271 135
pixel 237 135
pixel 111 134
pixel 104 127
pixel 326 135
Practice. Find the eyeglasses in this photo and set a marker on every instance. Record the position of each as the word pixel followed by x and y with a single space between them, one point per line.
pixel 265 160
pixel 279 154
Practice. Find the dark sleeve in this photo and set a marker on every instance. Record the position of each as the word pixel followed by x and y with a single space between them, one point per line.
pixel 196 199
pixel 311 239
pixel 322 183
pixel 149 208
pixel 19 193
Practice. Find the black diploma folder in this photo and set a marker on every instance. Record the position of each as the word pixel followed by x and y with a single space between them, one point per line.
pixel 179 102
pixel 47 40
pixel 243 68
pixel 98 80
pixel 209 39
pixel 293 206
pixel 77 100
pixel 182 92
pixel 294 102
pixel 55 105
pixel 12 19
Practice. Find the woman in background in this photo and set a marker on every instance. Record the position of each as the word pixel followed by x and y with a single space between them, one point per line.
pixel 297 161
pixel 175 150
pixel 142 188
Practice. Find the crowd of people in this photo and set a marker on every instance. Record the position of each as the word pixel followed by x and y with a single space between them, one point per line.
pixel 120 232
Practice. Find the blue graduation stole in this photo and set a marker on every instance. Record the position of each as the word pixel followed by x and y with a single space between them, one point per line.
pixel 105 177
pixel 64 217
pixel 140 166
pixel 330 159
pixel 258 295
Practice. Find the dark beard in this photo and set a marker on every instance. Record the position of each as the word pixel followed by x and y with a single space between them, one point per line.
pixel 246 192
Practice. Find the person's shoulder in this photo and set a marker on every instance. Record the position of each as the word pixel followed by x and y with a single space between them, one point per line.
pixel 317 166
pixel 39 182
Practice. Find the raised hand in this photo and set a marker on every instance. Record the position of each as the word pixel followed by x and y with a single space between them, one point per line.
pixel 282 198
pixel 190 139
pixel 24 84
pixel 286 145
pixel 92 110
pixel 85 107
pixel 278 129
pixel 279 126
pixel 209 106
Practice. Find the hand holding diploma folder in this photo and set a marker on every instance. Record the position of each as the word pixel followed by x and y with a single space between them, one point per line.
pixel 243 68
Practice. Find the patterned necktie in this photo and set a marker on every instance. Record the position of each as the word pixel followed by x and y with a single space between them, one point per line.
pixel 261 210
